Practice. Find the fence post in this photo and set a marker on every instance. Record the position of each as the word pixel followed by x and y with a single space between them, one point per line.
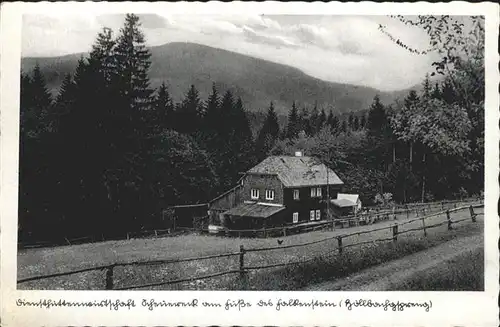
pixel 243 277
pixel 284 231
pixel 109 278
pixel 339 240
pixel 423 223
pixel 407 211
pixel 449 219
pixel 395 232
pixel 442 205
pixel 472 214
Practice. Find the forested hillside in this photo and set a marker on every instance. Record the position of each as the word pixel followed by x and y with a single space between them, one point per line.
pixel 255 80
pixel 111 150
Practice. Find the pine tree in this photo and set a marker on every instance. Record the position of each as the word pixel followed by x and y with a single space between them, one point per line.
pixel 133 60
pixel 321 119
pixel 448 93
pixel 355 123
pixel 269 133
pixel 351 121
pixel 335 126
pixel 362 122
pixel 293 127
pixel 163 110
pixel 411 99
pixel 343 126
pixel 329 119
pixel 436 92
pixel 304 121
pixel 427 88
pixel 41 102
pixel 188 113
pixel 377 118
pixel 242 139
pixel 211 122
pixel 314 121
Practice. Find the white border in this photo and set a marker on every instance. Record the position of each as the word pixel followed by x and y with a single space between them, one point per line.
pixel 463 308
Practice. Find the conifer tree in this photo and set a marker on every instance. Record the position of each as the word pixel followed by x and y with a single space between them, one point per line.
pixel 293 126
pixel 411 99
pixel 427 88
pixel 329 119
pixel 304 119
pixel 343 126
pixel 269 133
pixel 41 102
pixel 163 111
pixel 314 120
pixel 335 126
pixel 355 123
pixel 362 122
pixel 436 92
pixel 351 121
pixel 133 60
pixel 188 112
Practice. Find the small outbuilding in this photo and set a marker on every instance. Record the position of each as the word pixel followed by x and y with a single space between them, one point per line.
pixel 346 204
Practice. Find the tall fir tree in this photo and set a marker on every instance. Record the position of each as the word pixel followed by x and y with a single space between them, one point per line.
pixel 436 92
pixel 426 87
pixel 268 134
pixel 355 123
pixel 314 120
pixel 362 121
pixel 293 126
pixel 304 119
pixel 162 113
pixel 350 121
pixel 411 99
pixel 188 113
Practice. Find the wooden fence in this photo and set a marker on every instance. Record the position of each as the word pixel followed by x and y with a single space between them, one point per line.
pixel 243 269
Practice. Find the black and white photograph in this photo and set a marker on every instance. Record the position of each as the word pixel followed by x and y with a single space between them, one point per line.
pixel 264 164
pixel 251 152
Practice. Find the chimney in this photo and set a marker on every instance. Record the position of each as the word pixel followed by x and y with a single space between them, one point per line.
pixel 298 153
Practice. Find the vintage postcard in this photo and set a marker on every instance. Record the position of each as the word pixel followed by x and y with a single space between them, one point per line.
pixel 306 164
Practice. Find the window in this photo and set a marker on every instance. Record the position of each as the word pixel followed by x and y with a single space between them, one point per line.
pixel 318 214
pixel 296 194
pixel 295 217
pixel 254 194
pixel 313 192
pixel 318 192
pixel 312 214
pixel 269 195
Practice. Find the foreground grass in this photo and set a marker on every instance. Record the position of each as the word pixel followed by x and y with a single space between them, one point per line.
pixel 326 265
pixel 462 273
pixel 339 266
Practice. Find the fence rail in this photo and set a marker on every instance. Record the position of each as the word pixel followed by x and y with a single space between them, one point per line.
pixel 243 269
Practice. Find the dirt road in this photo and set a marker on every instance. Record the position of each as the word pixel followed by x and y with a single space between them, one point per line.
pixel 380 278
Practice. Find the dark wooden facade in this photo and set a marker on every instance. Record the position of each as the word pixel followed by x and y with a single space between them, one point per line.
pixel 306 203
pixel 262 183
pixel 222 203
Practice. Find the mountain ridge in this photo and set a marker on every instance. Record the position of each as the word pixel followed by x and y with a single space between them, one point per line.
pixel 256 81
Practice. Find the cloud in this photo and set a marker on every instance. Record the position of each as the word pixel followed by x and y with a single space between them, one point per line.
pixel 273 40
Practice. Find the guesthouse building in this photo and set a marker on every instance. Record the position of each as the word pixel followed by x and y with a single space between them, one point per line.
pixel 280 190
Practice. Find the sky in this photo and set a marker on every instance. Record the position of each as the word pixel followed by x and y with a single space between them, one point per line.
pixel 344 49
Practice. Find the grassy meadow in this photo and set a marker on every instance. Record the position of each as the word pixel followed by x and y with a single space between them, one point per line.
pixel 326 264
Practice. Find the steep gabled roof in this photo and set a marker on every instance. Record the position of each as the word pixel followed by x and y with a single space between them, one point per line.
pixel 297 171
